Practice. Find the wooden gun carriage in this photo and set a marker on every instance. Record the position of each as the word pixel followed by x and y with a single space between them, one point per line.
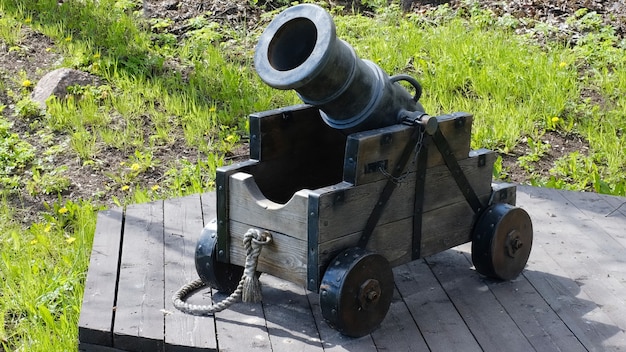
pixel 315 189
pixel 345 205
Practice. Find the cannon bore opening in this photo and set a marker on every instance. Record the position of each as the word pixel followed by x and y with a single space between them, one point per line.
pixel 293 44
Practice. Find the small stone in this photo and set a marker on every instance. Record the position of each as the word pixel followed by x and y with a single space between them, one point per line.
pixel 56 83
pixel 171 5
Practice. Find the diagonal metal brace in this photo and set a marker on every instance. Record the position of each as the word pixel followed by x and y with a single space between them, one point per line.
pixel 391 184
pixel 457 172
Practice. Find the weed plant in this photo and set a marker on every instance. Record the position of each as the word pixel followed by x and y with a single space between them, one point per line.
pixel 161 90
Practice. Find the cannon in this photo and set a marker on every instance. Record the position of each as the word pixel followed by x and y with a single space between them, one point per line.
pixel 355 181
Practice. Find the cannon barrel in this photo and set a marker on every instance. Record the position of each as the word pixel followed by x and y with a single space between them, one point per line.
pixel 300 50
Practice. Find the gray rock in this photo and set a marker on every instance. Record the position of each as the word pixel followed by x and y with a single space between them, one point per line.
pixel 56 83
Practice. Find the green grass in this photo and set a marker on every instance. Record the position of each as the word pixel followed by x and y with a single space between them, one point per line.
pixel 43 269
pixel 197 92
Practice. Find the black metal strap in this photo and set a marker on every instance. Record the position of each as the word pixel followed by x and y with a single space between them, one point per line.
pixel 418 203
pixel 457 172
pixel 390 186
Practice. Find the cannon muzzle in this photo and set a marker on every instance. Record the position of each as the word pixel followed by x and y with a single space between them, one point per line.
pixel 300 50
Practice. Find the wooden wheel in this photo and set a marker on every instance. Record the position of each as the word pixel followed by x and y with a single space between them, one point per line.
pixel 223 277
pixel 356 291
pixel 502 239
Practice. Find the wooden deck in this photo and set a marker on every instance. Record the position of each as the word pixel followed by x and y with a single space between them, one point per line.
pixel 571 297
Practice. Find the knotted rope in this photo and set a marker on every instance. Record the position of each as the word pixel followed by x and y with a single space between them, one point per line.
pixel 249 288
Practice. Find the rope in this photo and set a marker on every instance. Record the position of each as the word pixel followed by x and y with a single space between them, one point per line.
pixel 249 288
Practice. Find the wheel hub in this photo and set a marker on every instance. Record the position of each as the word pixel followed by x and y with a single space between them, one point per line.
pixel 513 243
pixel 369 294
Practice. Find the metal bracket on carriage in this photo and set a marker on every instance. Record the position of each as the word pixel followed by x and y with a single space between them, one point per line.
pixel 457 172
pixel 412 118
pixel 414 144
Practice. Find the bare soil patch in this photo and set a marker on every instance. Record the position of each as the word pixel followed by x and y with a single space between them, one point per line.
pixel 560 145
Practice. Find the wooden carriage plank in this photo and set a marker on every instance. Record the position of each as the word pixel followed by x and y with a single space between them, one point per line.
pixel 291 131
pixel 392 240
pixel 487 319
pixel 543 328
pixel 356 203
pixel 96 315
pixel 333 340
pixel 183 225
pixel 249 205
pixel 438 235
pixel 294 174
pixel 566 294
pixel 441 189
pixel 370 149
pixel 289 319
pixel 139 321
pixel 222 174
pixel 398 332
pixel 437 318
pixel 285 257
pixel 281 139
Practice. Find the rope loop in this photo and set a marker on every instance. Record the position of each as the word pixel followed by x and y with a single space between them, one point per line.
pixel 248 288
pixel 256 236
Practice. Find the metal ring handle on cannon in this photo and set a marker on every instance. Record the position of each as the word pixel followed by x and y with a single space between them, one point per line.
pixel 412 81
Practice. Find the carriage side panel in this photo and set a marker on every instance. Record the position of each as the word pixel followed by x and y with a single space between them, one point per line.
pixel 367 152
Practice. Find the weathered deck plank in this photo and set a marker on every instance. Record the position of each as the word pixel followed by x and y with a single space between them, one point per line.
pixel 570 245
pixel 398 332
pixel 488 321
pixel 139 311
pixel 242 328
pixel 289 318
pixel 571 297
pixel 603 212
pixel 182 221
pixel 439 321
pixel 543 328
pixel 96 315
